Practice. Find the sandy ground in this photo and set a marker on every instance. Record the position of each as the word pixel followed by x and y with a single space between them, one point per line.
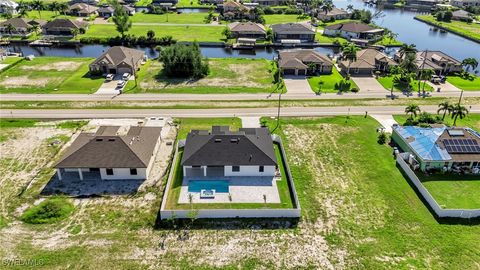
pixel 58 66
pixel 22 81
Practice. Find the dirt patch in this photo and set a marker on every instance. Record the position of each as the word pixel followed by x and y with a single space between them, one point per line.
pixel 58 66
pixel 23 81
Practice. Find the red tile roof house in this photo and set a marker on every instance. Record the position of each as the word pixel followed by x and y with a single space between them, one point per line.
pixel 235 10
pixel 354 31
pixel 82 10
pixel 437 61
pixel 111 153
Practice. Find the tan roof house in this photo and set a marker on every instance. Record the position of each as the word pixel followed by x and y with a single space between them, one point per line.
pixel 118 60
pixel 293 33
pixel 19 26
pixel 82 10
pixel 235 10
pixel 335 13
pixel 247 30
pixel 301 62
pixel 368 61
pixel 437 61
pixel 64 27
pixel 354 31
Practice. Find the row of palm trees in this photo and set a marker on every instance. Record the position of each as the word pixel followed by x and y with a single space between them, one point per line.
pixel 39 5
pixel 454 110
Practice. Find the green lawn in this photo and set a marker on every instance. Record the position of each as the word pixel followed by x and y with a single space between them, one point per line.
pixel 47 15
pixel 387 82
pixel 183 18
pixel 143 3
pixel 469 29
pixel 472 84
pixel 48 75
pixel 283 18
pixel 191 4
pixel 454 192
pixel 472 120
pixel 329 82
pixel 180 33
pixel 10 60
pixel 227 75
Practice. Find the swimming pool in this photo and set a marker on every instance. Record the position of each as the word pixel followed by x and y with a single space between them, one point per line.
pixel 220 186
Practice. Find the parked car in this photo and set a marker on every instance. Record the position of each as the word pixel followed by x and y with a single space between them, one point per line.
pixel 121 84
pixel 126 76
pixel 436 79
pixel 109 77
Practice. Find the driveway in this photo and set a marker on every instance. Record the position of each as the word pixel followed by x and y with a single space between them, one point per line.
pixel 297 85
pixel 110 87
pixel 444 87
pixel 386 120
pixel 368 85
pixel 250 122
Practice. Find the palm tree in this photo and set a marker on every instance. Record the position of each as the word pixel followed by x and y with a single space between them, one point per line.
pixel 54 6
pixel 326 7
pixel 63 8
pixel 444 107
pixel 458 111
pixel 350 8
pixel 38 5
pixel 468 63
pixel 10 28
pixel 350 53
pixel 426 75
pixel 35 28
pixel 391 36
pixel 407 49
pixel 413 110
pixel 22 12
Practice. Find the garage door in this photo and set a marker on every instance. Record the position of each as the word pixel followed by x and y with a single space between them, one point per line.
pixel 302 72
pixel 289 71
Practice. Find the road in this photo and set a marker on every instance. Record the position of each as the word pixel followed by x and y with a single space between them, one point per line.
pixel 204 97
pixel 248 112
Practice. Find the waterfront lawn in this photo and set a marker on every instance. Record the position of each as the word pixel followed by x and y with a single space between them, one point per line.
pixel 179 33
pixel 470 84
pixel 192 4
pixel 50 75
pixel 283 18
pixel 454 191
pixel 227 75
pixel 10 60
pixel 387 41
pixel 472 120
pixel 329 82
pixel 468 29
pixel 174 18
pixel 387 82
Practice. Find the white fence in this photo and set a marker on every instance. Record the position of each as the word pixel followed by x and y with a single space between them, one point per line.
pixel 233 213
pixel 427 197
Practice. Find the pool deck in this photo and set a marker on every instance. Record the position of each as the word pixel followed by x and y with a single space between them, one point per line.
pixel 242 190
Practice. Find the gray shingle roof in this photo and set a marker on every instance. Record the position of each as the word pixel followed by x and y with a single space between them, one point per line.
pixel 64 23
pixel 292 28
pixel 247 27
pixel 297 57
pixel 221 147
pixel 119 54
pixel 22 22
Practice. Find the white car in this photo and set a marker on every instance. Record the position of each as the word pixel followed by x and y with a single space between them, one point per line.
pixel 436 79
pixel 109 77
pixel 121 84
pixel 126 76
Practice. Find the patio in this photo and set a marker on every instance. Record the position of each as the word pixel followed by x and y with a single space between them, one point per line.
pixel 241 190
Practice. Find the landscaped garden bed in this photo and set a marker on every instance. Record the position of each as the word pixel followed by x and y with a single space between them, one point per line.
pixel 331 83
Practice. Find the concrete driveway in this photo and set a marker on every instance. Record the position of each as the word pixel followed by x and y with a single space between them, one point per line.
pixel 368 85
pixel 110 87
pixel 297 85
pixel 386 120
pixel 444 87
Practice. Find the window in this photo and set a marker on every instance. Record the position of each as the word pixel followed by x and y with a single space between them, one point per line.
pixel 109 171
pixel 235 168
pixel 133 171
pixel 261 169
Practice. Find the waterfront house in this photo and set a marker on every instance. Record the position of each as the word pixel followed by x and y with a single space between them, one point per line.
pixel 108 11
pixel 111 153
pixel 439 147
pixel 465 3
pixel 8 6
pixel 354 31
pixel 367 62
pixel 19 26
pixel 82 10
pixel 270 2
pixel 233 10
pixel 335 13
pixel 64 27
pixel 462 15
pixel 291 33
pixel 247 30
pixel 303 62
pixel 118 60
pixel 437 61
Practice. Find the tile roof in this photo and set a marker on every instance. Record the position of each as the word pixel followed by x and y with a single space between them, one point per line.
pixel 354 27
pixel 298 57
pixel 247 27
pixel 366 59
pixel 65 23
pixel 22 22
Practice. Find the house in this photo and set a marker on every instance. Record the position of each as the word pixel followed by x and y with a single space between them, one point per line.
pixel 439 147
pixel 367 62
pixel 247 30
pixel 8 6
pixel 465 3
pixel 111 153
pixel 354 31
pixel 130 10
pixel 335 13
pixel 303 62
pixel 293 33
pixel 19 26
pixel 462 15
pixel 235 10
pixel 270 2
pixel 82 10
pixel 118 60
pixel 108 11
pixel 90 2
pixel 221 152
pixel 161 2
pixel 437 61
pixel 64 27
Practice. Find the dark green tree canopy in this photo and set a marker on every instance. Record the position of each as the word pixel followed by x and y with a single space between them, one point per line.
pixel 182 61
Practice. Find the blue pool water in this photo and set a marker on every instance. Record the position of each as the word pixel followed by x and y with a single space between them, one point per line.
pixel 220 186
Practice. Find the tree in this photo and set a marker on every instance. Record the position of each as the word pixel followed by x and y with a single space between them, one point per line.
pixel 38 6
pixel 444 107
pixel 121 19
pixel 350 8
pixel 426 75
pixel 458 111
pixel 468 63
pixel 407 49
pixel 63 8
pixel 269 35
pixel 409 63
pixel 184 61
pixel 150 34
pixel 227 33
pixel 366 16
pixel 350 53
pixel 382 138
pixel 22 12
pixel 55 7
pixel 74 32
pixel 412 110
pixel 326 7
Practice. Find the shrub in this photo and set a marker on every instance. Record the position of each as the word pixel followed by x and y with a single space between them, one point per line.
pixel 183 61
pixel 382 138
pixel 48 211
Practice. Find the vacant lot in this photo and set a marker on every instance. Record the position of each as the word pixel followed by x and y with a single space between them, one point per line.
pixel 226 76
pixel 387 82
pixel 183 18
pixel 50 74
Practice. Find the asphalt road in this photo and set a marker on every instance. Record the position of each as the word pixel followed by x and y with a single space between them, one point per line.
pixel 252 112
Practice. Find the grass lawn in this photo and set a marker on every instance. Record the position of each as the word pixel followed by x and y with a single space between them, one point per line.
pixel 191 4
pixel 180 33
pixel 50 74
pixel 469 29
pixel 387 41
pixel 472 120
pixel 454 191
pixel 48 15
pixel 10 60
pixel 465 84
pixel 143 3
pixel 283 18
pixel 387 81
pixel 320 38
pixel 329 82
pixel 227 75
pixel 183 18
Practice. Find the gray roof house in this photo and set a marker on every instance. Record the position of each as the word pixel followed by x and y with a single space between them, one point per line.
pixel 63 27
pixel 221 152
pixel 21 26
pixel 368 61
pixel 118 60
pixel 107 11
pixel 354 31
pixel 293 33
pixel 461 15
pixel 303 62
pixel 111 153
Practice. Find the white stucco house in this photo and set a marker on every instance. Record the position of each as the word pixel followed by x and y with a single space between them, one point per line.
pixel 8 6
pixel 112 153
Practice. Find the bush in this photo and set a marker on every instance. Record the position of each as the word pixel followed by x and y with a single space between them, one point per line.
pixel 184 61
pixel 48 211
pixel 382 138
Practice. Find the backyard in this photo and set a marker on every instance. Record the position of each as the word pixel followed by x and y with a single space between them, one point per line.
pixel 329 82
pixel 227 75
pixel 183 18
pixel 48 75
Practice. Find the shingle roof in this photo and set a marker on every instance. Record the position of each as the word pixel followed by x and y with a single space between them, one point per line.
pixel 22 22
pixel 333 12
pixel 108 9
pixel 461 14
pixel 366 59
pixel 65 23
pixel 297 57
pixel 247 27
pixel 83 7
pixel 118 54
pixel 354 27
pixel 221 147
pixel 292 28
pixel 99 150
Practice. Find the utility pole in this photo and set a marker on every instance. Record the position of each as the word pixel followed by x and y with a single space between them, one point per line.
pixel 460 99
pixel 278 111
